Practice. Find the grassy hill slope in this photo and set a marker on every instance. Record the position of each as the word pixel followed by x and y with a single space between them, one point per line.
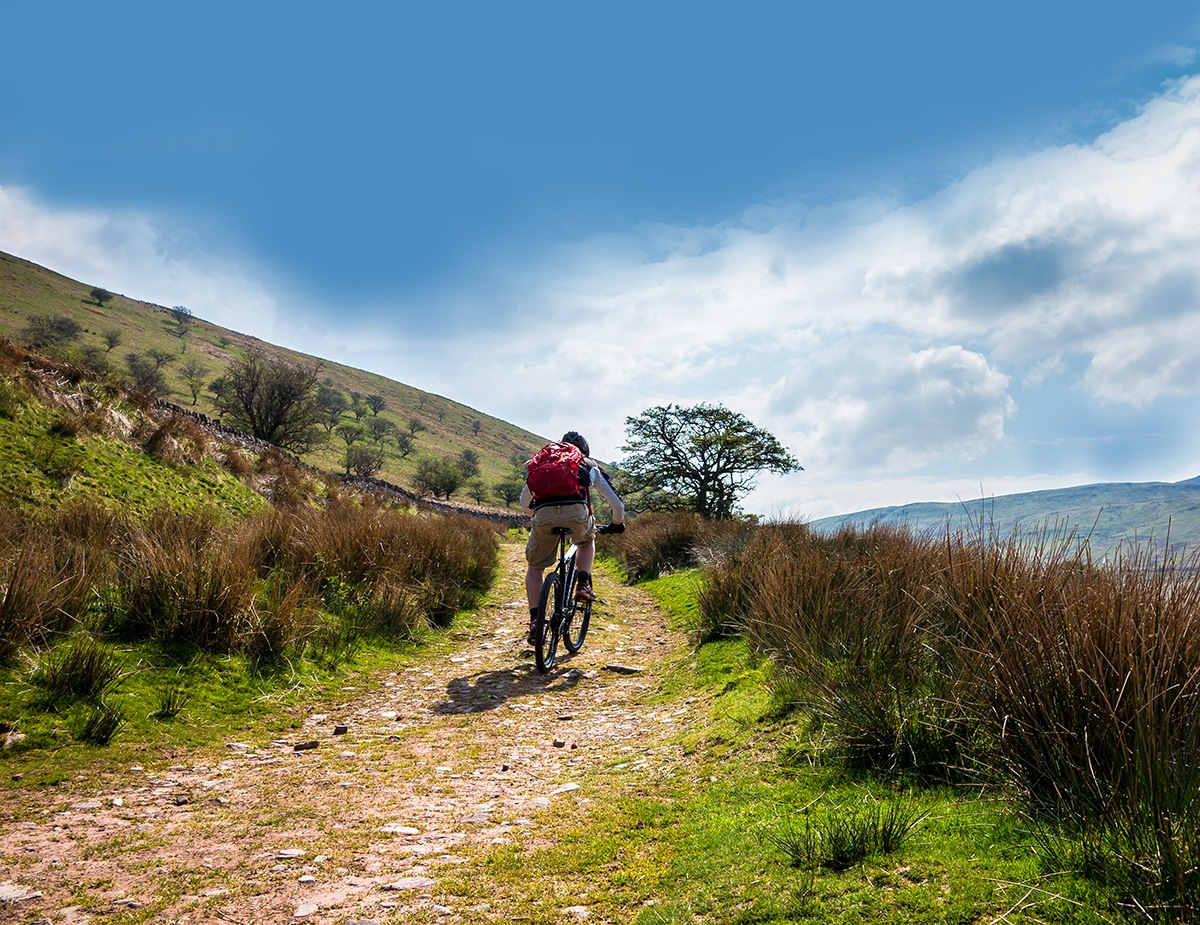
pixel 28 290
pixel 1112 513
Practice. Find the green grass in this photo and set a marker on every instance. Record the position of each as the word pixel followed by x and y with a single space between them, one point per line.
pixel 227 699
pixel 702 844
pixel 41 469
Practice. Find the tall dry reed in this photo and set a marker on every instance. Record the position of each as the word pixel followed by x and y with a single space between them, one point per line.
pixel 1014 659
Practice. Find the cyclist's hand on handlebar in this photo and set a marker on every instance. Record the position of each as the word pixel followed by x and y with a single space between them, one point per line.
pixel 611 528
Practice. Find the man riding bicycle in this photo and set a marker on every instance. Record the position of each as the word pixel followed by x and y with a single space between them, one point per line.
pixel 566 506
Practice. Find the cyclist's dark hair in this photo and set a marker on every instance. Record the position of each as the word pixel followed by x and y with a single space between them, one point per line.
pixel 576 438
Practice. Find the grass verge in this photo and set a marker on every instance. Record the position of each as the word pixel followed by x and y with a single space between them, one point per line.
pixel 751 825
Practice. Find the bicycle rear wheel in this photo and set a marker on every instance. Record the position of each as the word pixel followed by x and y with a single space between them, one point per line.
pixel 575 625
pixel 549 622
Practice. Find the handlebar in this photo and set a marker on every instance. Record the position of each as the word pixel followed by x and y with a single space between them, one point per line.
pixel 611 528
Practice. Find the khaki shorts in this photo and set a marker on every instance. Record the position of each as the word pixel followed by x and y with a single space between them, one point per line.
pixel 542 548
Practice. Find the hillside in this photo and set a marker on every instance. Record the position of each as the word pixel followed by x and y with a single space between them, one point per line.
pixel 1111 513
pixel 122 326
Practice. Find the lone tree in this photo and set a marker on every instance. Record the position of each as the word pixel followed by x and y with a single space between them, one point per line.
pixel 145 373
pixel 100 295
pixel 439 476
pixel 50 330
pixel 273 401
pixel 194 374
pixel 701 458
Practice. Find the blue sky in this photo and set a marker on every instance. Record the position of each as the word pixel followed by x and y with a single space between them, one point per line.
pixel 939 249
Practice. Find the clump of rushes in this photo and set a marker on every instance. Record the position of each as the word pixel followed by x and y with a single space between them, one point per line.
pixel 171 701
pixel 840 837
pixel 262 586
pixel 80 668
pixel 666 542
pixel 1017 661
pixel 99 724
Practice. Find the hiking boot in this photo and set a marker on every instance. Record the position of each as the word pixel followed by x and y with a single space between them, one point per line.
pixel 583 590
pixel 532 637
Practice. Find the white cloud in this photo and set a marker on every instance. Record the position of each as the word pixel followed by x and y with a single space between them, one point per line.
pixel 870 336
pixel 136 255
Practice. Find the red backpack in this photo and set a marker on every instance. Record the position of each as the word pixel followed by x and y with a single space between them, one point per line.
pixel 554 471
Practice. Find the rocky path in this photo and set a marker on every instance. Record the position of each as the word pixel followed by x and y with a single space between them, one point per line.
pixel 377 802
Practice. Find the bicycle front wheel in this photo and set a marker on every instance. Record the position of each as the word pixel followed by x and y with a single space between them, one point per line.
pixel 549 622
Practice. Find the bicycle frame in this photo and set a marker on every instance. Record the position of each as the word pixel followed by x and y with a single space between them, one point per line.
pixel 558 608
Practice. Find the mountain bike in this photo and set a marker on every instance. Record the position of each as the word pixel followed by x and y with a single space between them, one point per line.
pixel 560 616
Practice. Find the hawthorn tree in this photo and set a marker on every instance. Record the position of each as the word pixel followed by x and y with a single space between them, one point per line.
pixel 703 458
pixel 273 401
pixel 439 476
pixel 194 374
pixel 50 330
pixel 145 373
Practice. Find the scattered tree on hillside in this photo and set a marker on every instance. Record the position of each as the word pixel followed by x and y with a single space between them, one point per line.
pixel 358 405
pixel 182 314
pixel 376 403
pixel 404 443
pixel 477 490
pixel 350 433
pixel 194 376
pixel 701 458
pixel 468 461
pixel 145 373
pixel 160 357
pixel 112 337
pixel 333 404
pixel 415 426
pixel 273 401
pixel 439 476
pixel 380 429
pixel 363 461
pixel 100 295
pixel 43 331
pixel 508 489
pixel 476 426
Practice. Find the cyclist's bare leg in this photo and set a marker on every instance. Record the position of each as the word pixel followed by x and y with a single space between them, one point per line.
pixel 534 578
pixel 584 556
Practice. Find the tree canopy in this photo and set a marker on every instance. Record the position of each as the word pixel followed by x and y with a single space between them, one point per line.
pixel 273 401
pixel 701 458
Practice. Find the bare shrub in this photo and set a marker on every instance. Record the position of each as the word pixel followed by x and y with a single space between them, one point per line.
pixel 177 440
pixel 286 484
pixel 236 461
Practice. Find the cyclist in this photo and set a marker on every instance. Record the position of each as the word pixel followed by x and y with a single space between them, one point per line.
pixel 574 511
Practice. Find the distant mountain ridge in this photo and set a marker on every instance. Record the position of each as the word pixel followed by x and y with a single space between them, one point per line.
pixel 1110 512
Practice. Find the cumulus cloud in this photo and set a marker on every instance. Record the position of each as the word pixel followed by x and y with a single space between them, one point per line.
pixel 1074 258
pixel 871 336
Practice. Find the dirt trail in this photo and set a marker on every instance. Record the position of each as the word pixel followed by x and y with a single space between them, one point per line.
pixel 470 749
